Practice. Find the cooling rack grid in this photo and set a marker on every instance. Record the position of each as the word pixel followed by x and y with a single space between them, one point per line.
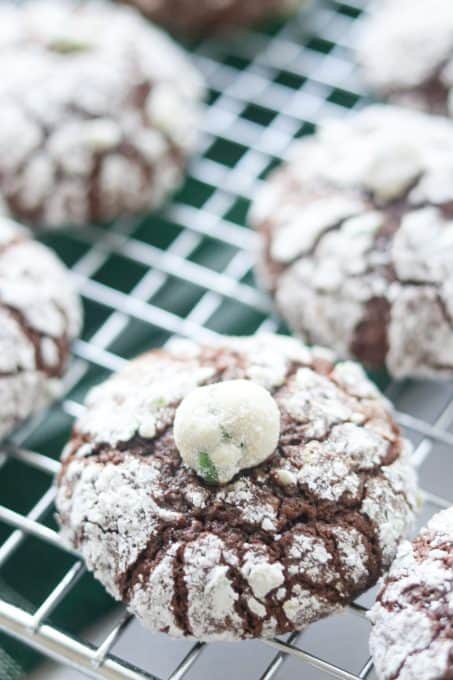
pixel 188 271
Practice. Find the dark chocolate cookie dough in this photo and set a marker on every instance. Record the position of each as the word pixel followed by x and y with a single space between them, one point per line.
pixel 206 16
pixel 357 240
pixel 412 637
pixel 285 542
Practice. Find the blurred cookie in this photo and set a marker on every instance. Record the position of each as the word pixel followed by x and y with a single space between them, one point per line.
pixel 207 16
pixel 406 51
pixel 237 491
pixel 98 112
pixel 357 240
pixel 39 316
pixel 412 636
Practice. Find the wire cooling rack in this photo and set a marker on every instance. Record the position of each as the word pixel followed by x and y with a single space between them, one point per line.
pixel 188 271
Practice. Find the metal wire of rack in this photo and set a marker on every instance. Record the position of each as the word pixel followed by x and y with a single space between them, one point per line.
pixel 188 271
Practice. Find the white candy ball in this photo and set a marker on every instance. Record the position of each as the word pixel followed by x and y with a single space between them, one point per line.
pixel 224 428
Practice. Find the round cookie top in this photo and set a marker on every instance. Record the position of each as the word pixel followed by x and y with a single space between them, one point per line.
pixel 207 16
pixel 286 541
pixel 412 634
pixel 39 316
pixel 407 52
pixel 357 239
pixel 98 110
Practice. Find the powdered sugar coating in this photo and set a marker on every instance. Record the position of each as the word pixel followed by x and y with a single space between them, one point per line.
pixel 39 316
pixel 285 542
pixel 206 16
pixel 357 235
pixel 412 636
pixel 407 52
pixel 98 111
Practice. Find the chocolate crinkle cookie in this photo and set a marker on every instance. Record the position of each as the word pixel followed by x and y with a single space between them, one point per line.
pixel 207 16
pixel 412 636
pixel 357 240
pixel 406 52
pixel 236 491
pixel 39 316
pixel 98 112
